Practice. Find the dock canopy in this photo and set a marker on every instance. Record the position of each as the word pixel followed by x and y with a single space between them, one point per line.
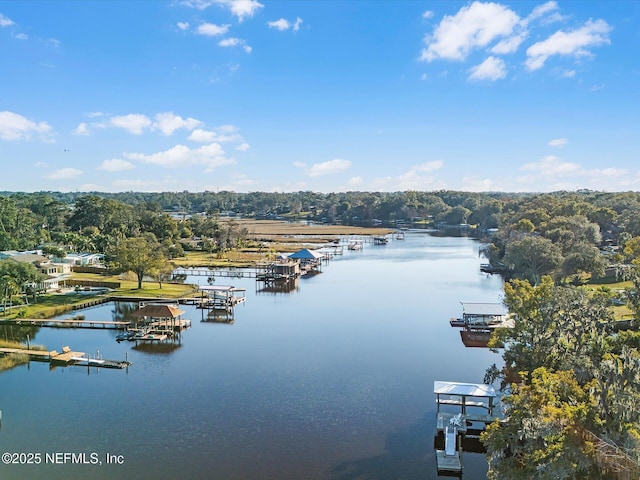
pixel 464 389
pixel 158 311
pixel 220 288
pixel 483 309
pixel 306 254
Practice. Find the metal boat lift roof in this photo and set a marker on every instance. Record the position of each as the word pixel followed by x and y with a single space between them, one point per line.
pixel 484 309
pixel 221 288
pixel 464 389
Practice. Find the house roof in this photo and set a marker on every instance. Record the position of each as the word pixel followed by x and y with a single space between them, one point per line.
pixel 28 258
pixel 158 311
pixel 306 254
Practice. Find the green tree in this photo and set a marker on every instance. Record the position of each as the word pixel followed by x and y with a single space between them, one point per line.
pixel 542 434
pixel 532 257
pixel 140 255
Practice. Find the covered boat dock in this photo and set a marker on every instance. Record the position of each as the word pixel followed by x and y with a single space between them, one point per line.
pixel 470 403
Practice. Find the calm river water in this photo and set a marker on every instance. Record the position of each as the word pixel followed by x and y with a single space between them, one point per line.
pixel 331 381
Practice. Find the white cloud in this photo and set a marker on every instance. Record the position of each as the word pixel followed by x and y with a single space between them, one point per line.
pixel 474 26
pixel 116 165
pixel 14 126
pixel 243 147
pixel 552 166
pixel 183 25
pixel 212 30
pixel 416 178
pixel 543 9
pixel 82 129
pixel 509 45
pixel 473 184
pixel 168 123
pixel 235 42
pixel 5 21
pixel 329 168
pixel 558 142
pixel 491 69
pixel 210 156
pixel 134 123
pixel 21 36
pixel 552 173
pixel 221 134
pixel 427 167
pixel 240 8
pixel 202 136
pixel 299 164
pixel 96 114
pixel 355 182
pixel 427 14
pixel 568 74
pixel 572 43
pixel 91 187
pixel 64 174
pixel 281 24
pixel 227 128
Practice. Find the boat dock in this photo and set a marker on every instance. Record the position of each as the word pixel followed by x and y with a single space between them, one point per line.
pixel 66 358
pixel 247 272
pixel 473 406
pixel 220 297
pixel 68 322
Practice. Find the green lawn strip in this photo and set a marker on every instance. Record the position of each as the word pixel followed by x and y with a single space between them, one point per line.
pixel 621 312
pixel 51 305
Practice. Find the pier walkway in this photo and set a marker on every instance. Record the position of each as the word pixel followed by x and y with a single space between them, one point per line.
pixel 67 322
pixel 67 357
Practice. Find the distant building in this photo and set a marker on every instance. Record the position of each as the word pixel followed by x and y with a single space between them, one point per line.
pixel 83 259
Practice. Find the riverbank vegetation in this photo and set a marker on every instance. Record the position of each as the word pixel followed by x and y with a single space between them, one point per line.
pixel 11 360
pixel 571 372
pixel 573 387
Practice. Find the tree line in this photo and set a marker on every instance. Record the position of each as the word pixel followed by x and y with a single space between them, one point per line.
pixel 570 375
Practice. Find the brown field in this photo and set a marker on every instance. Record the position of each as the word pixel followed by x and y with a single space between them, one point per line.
pixel 294 232
pixel 272 237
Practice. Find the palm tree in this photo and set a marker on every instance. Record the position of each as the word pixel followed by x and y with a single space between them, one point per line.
pixel 8 288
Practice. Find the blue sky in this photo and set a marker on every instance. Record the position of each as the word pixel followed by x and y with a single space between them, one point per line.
pixel 325 95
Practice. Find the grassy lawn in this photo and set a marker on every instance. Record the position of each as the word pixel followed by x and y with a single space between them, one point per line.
pixel 234 259
pixel 621 312
pixel 129 287
pixel 53 304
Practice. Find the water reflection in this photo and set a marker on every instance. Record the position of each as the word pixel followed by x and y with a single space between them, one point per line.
pixel 331 382
pixel 278 286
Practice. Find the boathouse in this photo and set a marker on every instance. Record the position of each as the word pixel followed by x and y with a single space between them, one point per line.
pixel 160 321
pixel 222 297
pixel 283 268
pixel 309 260
pixel 482 316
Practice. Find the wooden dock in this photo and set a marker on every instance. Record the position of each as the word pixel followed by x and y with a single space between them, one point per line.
pixel 205 272
pixel 68 323
pixel 67 357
